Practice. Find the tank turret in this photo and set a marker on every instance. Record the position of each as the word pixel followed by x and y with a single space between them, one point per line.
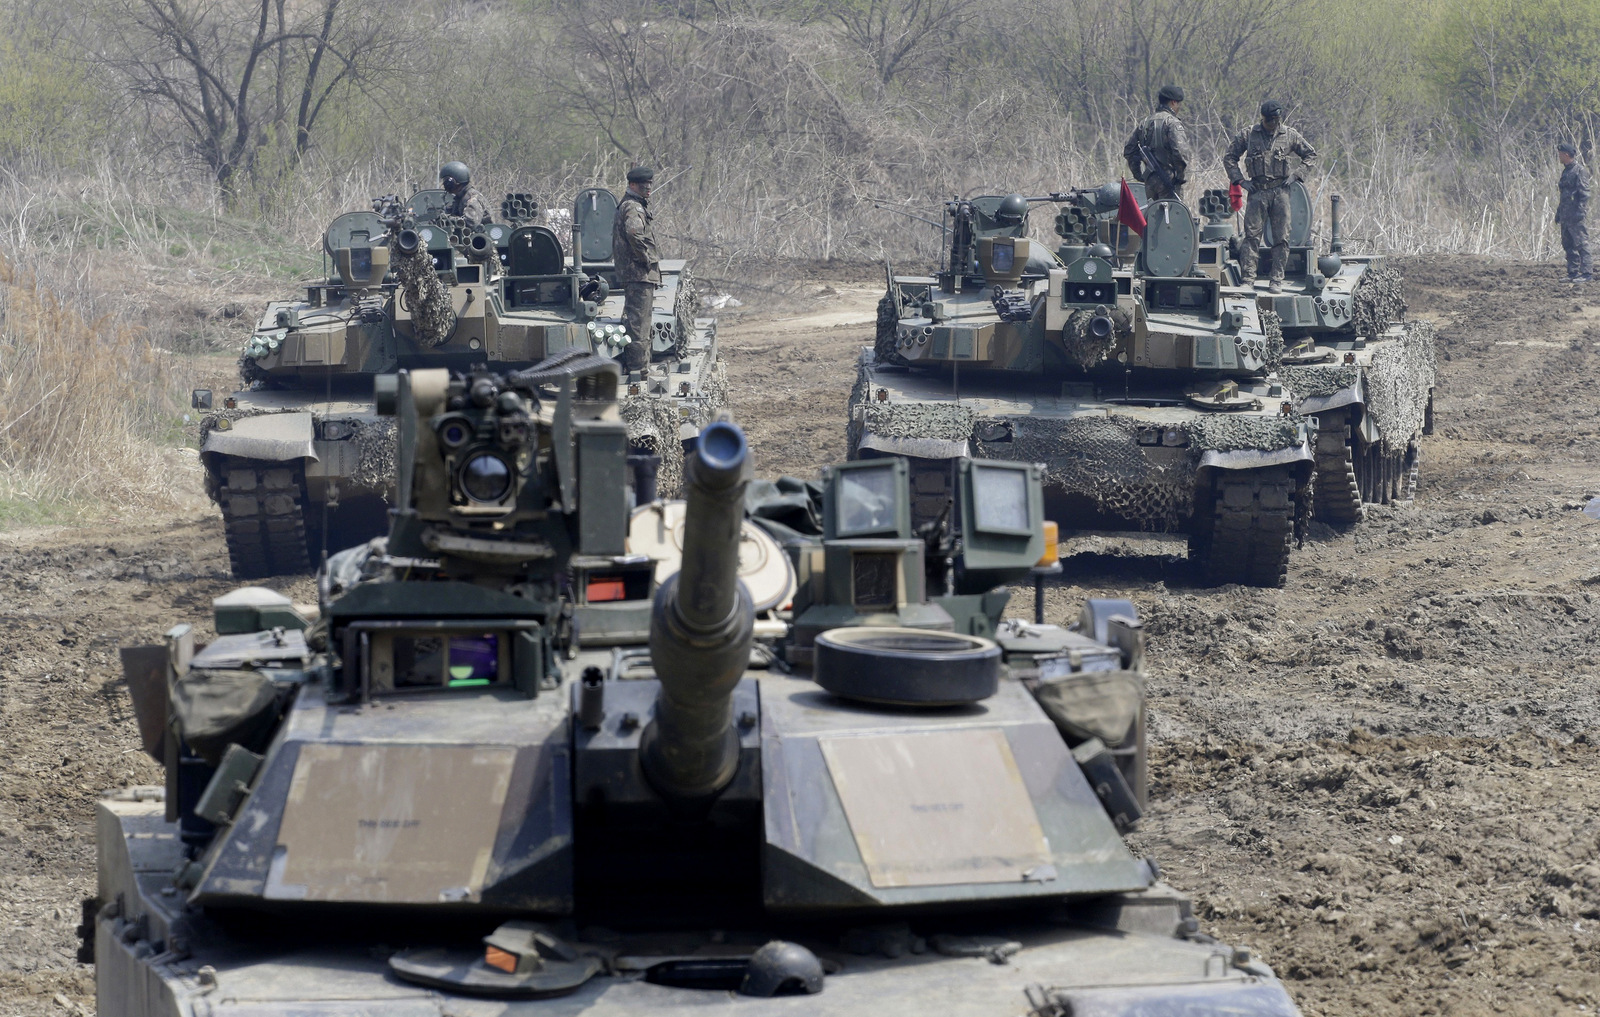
pixel 299 462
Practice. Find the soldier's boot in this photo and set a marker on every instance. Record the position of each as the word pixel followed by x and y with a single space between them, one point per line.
pixel 1275 286
pixel 635 357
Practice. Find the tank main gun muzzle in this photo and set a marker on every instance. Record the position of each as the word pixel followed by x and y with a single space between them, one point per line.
pixel 700 630
pixel 408 242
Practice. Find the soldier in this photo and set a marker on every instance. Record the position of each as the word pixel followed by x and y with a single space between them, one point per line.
pixel 465 200
pixel 633 249
pixel 1165 140
pixel 1571 213
pixel 1266 148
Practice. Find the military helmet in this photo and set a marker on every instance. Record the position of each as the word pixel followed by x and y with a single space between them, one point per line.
pixel 1271 108
pixel 454 173
pixel 1170 93
pixel 641 175
pixel 1013 208
pixel 1569 148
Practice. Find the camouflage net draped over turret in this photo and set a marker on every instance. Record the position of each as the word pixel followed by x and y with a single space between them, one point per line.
pixel 424 296
pixel 1378 302
pixel 654 426
pixel 1083 348
pixel 685 307
pixel 1403 371
pixel 888 324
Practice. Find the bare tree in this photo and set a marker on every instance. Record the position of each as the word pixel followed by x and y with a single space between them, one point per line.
pixel 236 75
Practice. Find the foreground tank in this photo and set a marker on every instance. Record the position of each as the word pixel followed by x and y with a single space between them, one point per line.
pixel 1145 382
pixel 300 463
pixel 1355 365
pixel 439 796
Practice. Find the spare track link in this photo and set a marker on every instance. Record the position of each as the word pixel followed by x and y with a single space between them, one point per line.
pixel 263 517
pixel 1338 495
pixel 1247 536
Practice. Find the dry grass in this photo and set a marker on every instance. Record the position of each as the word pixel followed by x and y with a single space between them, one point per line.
pixel 90 412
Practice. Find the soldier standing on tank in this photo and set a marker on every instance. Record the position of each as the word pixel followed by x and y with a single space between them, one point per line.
pixel 1266 148
pixel 465 201
pixel 1164 138
pixel 1572 213
pixel 633 250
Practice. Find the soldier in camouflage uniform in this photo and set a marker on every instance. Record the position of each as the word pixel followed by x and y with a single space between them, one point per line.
pixel 1572 214
pixel 1266 148
pixel 633 249
pixel 465 200
pixel 1164 136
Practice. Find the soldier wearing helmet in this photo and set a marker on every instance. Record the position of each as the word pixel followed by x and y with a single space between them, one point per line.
pixel 633 250
pixel 465 200
pixel 1161 138
pixel 1267 148
pixel 1012 211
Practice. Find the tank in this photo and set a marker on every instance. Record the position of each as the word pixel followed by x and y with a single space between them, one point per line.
pixel 1147 385
pixel 433 793
pixel 1357 367
pixel 299 462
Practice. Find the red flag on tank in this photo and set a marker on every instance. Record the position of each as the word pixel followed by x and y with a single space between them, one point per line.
pixel 1129 213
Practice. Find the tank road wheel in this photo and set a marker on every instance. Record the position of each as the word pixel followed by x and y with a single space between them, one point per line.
pixel 1338 496
pixel 1243 530
pixel 263 517
pixel 883 346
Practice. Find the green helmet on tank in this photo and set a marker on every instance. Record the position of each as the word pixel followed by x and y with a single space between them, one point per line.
pixel 455 173
pixel 1013 209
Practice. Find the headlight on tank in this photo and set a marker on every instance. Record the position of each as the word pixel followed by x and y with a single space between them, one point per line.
pixel 485 477
pixel 1174 438
pixel 1149 436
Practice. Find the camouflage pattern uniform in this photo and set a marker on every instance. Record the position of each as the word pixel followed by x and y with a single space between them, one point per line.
pixel 1164 135
pixel 1571 215
pixel 1267 166
pixel 633 249
pixel 469 204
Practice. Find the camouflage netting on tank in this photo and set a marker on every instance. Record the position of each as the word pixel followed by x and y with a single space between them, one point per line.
pixel 684 310
pixel 432 316
pixel 376 442
pixel 1379 301
pixel 1096 456
pixel 1100 458
pixel 1272 325
pixel 883 344
pixel 1085 349
pixel 653 425
pixel 1403 371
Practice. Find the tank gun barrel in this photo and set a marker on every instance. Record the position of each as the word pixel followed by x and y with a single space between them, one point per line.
pixel 701 629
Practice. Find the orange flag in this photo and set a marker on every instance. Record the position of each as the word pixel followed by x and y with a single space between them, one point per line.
pixel 1129 213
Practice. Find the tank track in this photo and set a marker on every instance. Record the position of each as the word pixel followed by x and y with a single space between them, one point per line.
pixel 263 517
pixel 883 345
pixel 1338 496
pixel 1244 530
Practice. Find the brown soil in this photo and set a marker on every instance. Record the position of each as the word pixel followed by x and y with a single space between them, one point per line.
pixel 1381 778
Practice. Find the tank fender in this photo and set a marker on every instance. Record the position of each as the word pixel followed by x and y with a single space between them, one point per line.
pixel 1350 395
pixel 270 437
pixel 1251 459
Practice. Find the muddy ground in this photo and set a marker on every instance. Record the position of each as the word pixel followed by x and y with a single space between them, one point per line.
pixel 1382 778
